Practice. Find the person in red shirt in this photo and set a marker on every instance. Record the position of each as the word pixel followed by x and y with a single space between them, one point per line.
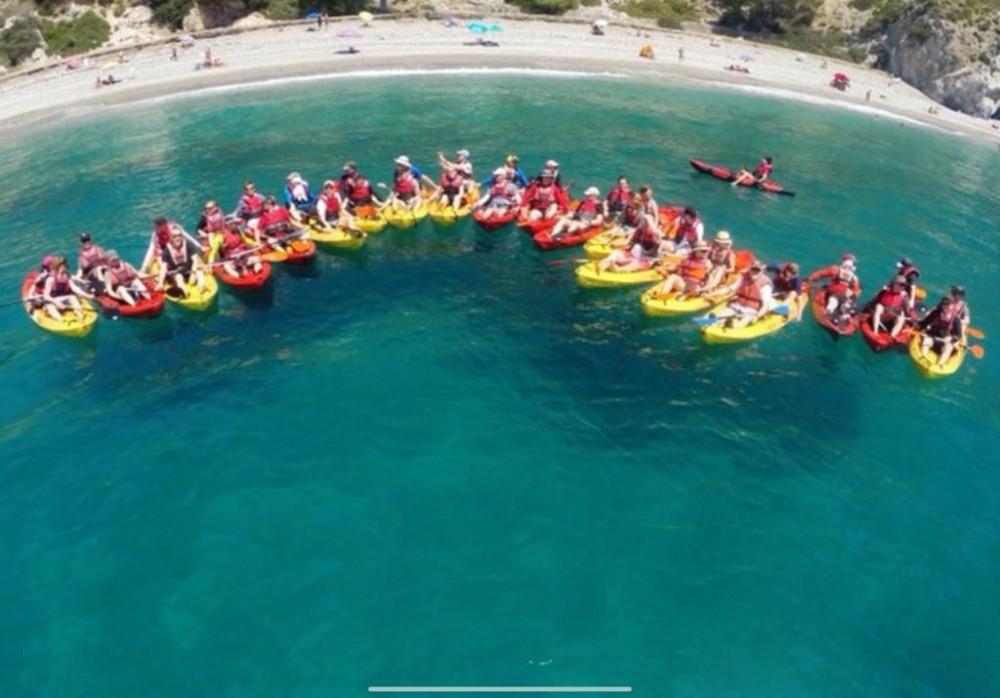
pixel 759 174
pixel 843 287
pixel 889 308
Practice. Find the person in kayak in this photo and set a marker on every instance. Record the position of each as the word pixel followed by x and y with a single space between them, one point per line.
pixel 276 224
pixel 512 166
pixel 299 199
pixel 499 198
pixel 59 294
pixel 842 289
pixel 649 206
pixel 692 276
pixel 462 163
pixel 786 286
pixel 759 174
pixel 618 199
pixel 452 188
pixel 330 209
pixel 123 282
pixel 92 262
pixel 642 249
pixel 406 184
pixel 250 204
pixel 722 257
pixel 684 232
pixel 38 286
pixel 228 248
pixel 944 328
pixel 212 220
pixel 180 266
pixel 588 214
pixel 544 198
pixel 908 270
pixel 159 238
pixel 754 298
pixel 889 309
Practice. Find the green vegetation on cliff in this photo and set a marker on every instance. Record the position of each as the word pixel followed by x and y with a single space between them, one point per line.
pixel 85 33
pixel 18 41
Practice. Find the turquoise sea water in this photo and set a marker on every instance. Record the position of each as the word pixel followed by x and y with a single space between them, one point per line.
pixel 438 462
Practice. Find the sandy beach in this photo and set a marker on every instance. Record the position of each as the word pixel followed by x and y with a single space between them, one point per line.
pixel 293 51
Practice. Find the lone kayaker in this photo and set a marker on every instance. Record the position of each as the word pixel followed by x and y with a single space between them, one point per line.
pixel 759 174
pixel 842 290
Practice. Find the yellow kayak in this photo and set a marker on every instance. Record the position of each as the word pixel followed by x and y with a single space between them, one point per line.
pixel 369 219
pixel 770 323
pixel 600 246
pixel 656 304
pixel 928 365
pixel 70 325
pixel 337 237
pixel 400 217
pixel 589 275
pixel 196 299
pixel 445 214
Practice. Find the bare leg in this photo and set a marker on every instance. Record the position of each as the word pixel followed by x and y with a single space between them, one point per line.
pixel 947 348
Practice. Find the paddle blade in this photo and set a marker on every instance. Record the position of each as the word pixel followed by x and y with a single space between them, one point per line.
pixel 705 321
pixel 977 351
pixel 976 332
pixel 781 309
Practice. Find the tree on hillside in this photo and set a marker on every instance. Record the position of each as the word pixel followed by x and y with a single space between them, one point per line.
pixel 19 40
pixel 767 15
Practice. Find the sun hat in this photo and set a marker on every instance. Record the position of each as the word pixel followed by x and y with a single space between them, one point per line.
pixel 329 183
pixel 293 176
pixel 350 166
pixel 723 236
pixel 592 191
pixel 700 245
pixel 499 172
pixel 403 160
pixel 462 153
pixel 551 163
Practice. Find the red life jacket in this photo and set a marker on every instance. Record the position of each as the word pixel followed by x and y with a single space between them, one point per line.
pixel 543 197
pixel 331 201
pixel 720 255
pixel 274 222
pixel 451 183
pixel 687 229
pixel 163 234
pixel 694 270
pixel 251 205
pixel 630 216
pixel 891 300
pixel 588 210
pixel 361 191
pixel 750 291
pixel 618 198
pixel 231 244
pixel 844 282
pixel 215 221
pixel 647 237
pixel 122 276
pixel 764 168
pixel 501 191
pixel 406 184
pixel 91 258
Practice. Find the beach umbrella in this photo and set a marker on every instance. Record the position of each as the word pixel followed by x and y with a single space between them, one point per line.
pixel 476 27
pixel 186 40
pixel 349 33
pixel 366 18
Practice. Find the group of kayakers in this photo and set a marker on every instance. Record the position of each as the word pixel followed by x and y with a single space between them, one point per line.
pixel 648 236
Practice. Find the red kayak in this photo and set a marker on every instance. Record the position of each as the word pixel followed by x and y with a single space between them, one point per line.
pixel 494 222
pixel 144 307
pixel 845 326
pixel 249 282
pixel 881 341
pixel 728 175
pixel 544 241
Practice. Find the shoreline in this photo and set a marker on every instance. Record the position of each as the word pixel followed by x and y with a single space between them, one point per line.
pixel 268 55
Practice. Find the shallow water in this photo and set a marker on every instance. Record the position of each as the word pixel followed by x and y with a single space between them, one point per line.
pixel 438 461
